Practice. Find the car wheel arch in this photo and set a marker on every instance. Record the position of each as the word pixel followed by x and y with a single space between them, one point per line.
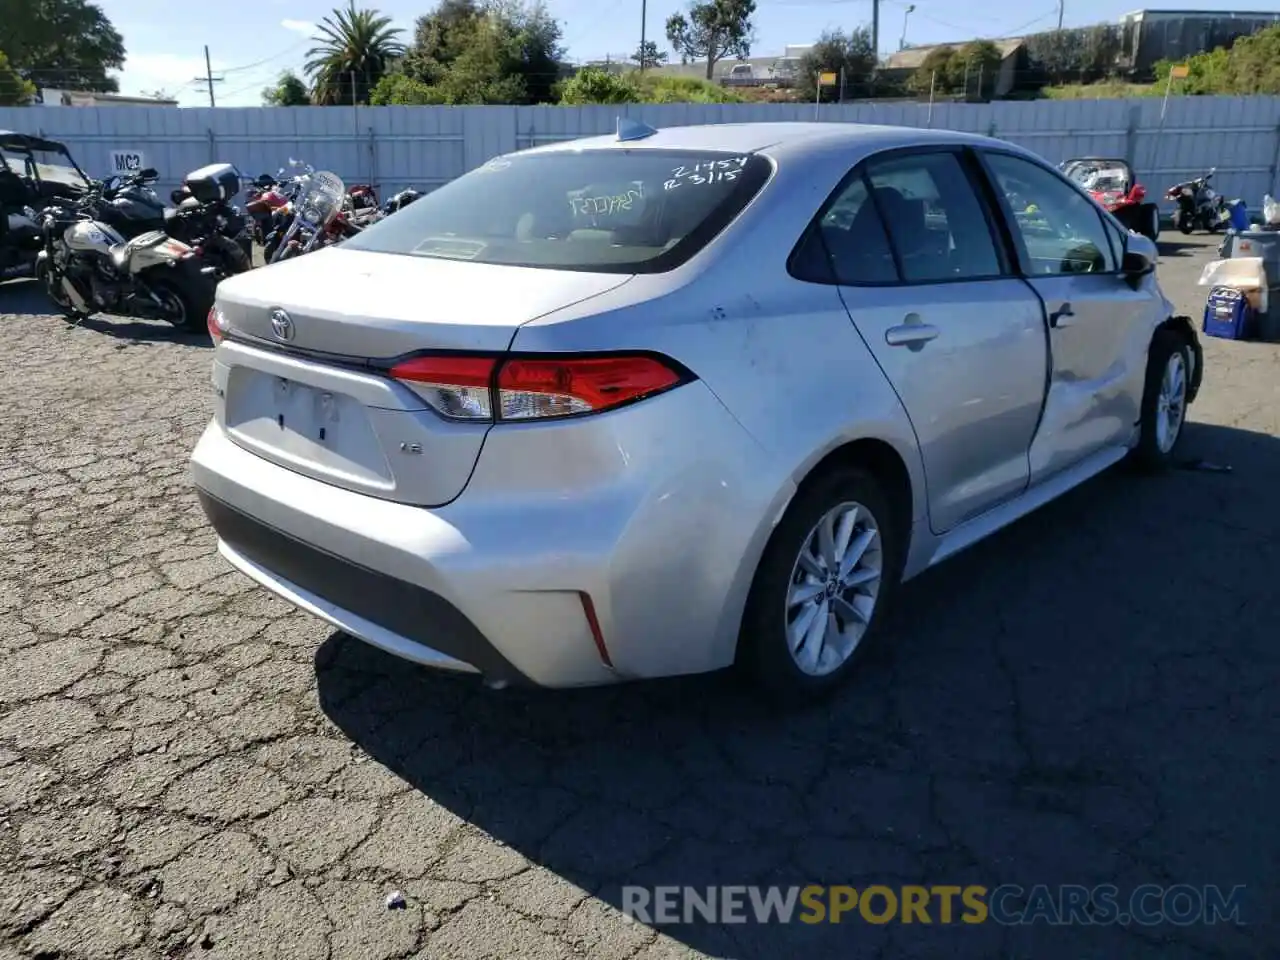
pixel 882 458
pixel 1183 327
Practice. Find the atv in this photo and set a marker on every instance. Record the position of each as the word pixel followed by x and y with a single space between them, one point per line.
pixel 1112 184
pixel 34 173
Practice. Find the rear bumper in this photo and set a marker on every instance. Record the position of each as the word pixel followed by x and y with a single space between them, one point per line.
pixel 396 576
pixel 657 526
pixel 398 617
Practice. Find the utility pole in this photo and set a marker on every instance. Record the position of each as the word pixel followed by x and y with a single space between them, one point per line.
pixel 643 17
pixel 875 31
pixel 1061 4
pixel 208 77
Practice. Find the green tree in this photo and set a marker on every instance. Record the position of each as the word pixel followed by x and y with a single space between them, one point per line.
pixel 837 52
pixel 398 89
pixel 648 55
pixel 1253 66
pixel 594 85
pixel 934 72
pixel 14 90
pixel 64 44
pixel 1080 55
pixel 288 91
pixel 1250 67
pixel 518 45
pixel 713 30
pixel 356 49
pixel 974 68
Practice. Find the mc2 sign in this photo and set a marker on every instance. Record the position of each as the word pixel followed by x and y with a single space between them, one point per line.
pixel 124 162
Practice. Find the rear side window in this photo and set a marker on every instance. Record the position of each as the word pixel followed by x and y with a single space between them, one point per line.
pixel 606 211
pixel 848 244
pixel 937 225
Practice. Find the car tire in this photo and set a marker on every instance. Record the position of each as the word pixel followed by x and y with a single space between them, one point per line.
pixel 1151 223
pixel 1164 401
pixel 853 607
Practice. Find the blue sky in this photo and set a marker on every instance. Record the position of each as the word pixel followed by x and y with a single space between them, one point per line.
pixel 251 41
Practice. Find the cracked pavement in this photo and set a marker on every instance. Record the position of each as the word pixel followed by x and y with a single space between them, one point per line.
pixel 190 768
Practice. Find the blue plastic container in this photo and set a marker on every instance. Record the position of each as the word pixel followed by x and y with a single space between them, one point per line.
pixel 1239 216
pixel 1228 315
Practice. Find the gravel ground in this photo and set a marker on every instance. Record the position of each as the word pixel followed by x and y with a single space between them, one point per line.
pixel 190 768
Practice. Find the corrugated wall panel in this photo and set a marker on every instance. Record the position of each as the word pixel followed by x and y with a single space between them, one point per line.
pixel 424 147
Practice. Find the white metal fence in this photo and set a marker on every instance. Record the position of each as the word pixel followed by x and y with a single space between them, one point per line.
pixel 423 147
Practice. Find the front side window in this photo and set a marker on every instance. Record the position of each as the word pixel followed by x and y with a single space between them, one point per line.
pixel 608 211
pixel 1061 229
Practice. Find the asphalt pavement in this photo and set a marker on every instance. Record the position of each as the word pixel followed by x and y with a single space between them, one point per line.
pixel 190 768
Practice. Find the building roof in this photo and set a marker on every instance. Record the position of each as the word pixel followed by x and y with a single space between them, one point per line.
pixel 912 57
pixel 1202 15
pixel 89 98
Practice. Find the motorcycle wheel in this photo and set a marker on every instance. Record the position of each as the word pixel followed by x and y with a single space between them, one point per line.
pixel 52 285
pixel 181 310
pixel 1185 222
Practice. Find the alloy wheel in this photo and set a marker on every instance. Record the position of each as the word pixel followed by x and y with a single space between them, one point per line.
pixel 1171 402
pixel 835 583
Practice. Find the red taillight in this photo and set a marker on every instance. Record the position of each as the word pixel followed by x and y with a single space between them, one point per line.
pixel 532 389
pixel 522 388
pixel 456 386
pixel 217 324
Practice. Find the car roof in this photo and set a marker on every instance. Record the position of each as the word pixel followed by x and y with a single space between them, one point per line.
pixel 10 140
pixel 774 138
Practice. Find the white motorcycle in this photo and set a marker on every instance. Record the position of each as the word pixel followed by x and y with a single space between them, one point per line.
pixel 86 267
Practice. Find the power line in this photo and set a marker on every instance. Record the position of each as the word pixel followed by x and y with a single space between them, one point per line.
pixel 275 56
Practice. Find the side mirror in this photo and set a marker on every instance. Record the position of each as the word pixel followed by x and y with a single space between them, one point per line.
pixel 1139 260
pixel 1137 264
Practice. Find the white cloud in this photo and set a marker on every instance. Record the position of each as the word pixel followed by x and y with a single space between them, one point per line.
pixel 304 27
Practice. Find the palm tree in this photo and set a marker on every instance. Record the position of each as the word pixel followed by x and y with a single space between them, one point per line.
pixel 356 49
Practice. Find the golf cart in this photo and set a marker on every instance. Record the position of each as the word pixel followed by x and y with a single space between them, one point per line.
pixel 1112 184
pixel 34 173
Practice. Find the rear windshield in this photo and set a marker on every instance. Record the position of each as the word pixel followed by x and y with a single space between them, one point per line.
pixel 606 211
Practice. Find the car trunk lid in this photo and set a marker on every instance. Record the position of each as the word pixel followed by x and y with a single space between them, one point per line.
pixel 302 378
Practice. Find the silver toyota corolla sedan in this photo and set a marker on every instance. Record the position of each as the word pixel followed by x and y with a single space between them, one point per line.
pixel 667 401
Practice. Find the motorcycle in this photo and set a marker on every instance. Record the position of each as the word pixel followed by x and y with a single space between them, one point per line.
pixel 399 201
pixel 362 203
pixel 86 267
pixel 268 201
pixel 314 218
pixel 1199 205
pixel 206 220
pixel 201 215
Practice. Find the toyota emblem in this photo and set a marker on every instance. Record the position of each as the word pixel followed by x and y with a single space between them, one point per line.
pixel 281 325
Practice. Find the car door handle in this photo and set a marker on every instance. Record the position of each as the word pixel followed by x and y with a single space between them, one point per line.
pixel 910 334
pixel 1064 316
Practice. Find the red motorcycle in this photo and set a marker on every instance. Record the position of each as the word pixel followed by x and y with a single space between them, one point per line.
pixel 362 196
